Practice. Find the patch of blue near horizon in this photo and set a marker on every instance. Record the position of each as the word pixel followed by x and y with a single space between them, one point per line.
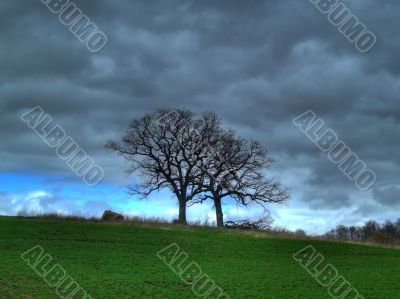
pixel 20 183
pixel 61 187
pixel 84 198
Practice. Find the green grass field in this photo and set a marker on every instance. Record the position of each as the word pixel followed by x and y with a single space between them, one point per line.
pixel 119 261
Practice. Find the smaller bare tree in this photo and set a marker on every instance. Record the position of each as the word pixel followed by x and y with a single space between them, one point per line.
pixel 237 169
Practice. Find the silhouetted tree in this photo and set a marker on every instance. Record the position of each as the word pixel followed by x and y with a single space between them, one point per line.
pixel 236 168
pixel 385 233
pixel 162 149
pixel 397 225
pixel 370 228
pixel 353 233
pixel 389 228
pixel 196 160
pixel 342 232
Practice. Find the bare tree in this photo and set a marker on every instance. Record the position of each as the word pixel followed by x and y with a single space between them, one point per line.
pixel 236 168
pixel 164 149
pixel 196 160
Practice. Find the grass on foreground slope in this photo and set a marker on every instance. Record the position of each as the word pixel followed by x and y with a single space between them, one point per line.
pixel 119 261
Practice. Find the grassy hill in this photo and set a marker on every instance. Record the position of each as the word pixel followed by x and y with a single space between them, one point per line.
pixel 119 260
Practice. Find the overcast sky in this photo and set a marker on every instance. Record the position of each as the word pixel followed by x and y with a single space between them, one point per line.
pixel 257 64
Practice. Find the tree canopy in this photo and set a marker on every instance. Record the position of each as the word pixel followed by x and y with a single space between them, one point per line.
pixel 193 157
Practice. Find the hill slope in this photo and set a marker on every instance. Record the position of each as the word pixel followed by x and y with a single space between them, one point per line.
pixel 120 261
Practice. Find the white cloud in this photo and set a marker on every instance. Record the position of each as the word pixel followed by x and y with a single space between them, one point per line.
pixel 173 212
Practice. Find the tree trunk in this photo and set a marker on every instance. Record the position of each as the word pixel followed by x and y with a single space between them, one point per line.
pixel 182 211
pixel 218 212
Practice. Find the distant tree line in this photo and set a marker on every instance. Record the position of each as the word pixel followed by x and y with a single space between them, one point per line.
pixel 197 159
pixel 387 232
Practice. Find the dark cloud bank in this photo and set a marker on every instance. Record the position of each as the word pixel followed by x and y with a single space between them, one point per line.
pixel 257 64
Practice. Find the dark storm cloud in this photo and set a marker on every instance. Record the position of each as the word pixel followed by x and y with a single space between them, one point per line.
pixel 328 198
pixel 257 64
pixel 388 195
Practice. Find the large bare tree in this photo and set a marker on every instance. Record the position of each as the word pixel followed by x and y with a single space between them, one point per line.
pixel 165 149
